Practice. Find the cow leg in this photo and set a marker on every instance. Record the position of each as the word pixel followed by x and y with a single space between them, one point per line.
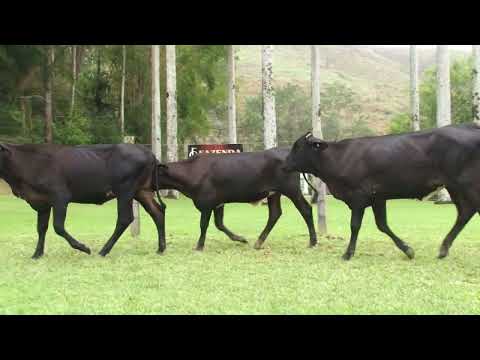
pixel 156 213
pixel 204 221
pixel 355 224
pixel 464 213
pixel 380 212
pixel 306 211
pixel 59 214
pixel 218 213
pixel 43 216
pixel 274 213
pixel 124 219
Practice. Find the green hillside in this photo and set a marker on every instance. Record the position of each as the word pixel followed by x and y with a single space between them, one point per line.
pixel 378 75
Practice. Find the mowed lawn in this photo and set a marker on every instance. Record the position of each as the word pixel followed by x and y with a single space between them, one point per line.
pixel 231 278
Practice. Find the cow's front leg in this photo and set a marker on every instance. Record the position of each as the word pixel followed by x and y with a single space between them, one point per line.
pixel 218 214
pixel 59 214
pixel 355 224
pixel 124 219
pixel 274 213
pixel 464 213
pixel 157 213
pixel 380 211
pixel 306 211
pixel 204 221
pixel 43 216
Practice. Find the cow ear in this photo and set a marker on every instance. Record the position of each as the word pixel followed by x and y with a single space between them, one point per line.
pixel 3 148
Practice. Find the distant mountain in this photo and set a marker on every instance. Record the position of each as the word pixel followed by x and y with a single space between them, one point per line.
pixel 379 75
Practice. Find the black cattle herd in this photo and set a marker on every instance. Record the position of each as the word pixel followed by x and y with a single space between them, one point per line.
pixel 361 172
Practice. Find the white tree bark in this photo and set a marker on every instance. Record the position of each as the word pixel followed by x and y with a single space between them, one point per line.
pixel 443 101
pixel 476 84
pixel 172 144
pixel 122 93
pixel 317 132
pixel 232 108
pixel 414 96
pixel 269 118
pixel 443 87
pixel 74 77
pixel 156 134
pixel 135 225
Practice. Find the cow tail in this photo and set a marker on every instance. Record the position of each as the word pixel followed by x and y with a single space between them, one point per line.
pixel 162 204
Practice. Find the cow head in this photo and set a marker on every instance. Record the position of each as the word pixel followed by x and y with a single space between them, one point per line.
pixel 4 153
pixel 303 153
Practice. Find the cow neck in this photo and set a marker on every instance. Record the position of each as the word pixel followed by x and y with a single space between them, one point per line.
pixel 178 175
pixel 20 164
pixel 12 173
pixel 325 162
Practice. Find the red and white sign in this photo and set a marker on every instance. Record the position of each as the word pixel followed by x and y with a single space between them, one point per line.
pixel 214 149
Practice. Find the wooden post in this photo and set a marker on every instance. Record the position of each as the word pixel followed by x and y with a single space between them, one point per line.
pixel 135 226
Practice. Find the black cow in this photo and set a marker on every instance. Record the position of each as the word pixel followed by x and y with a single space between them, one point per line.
pixel 369 171
pixel 52 176
pixel 213 180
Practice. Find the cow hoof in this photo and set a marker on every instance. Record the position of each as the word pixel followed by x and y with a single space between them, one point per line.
pixel 198 248
pixel 86 250
pixel 410 253
pixel 160 251
pixel 103 253
pixel 442 254
pixel 241 239
pixel 257 246
pixel 36 256
pixel 347 256
pixel 312 246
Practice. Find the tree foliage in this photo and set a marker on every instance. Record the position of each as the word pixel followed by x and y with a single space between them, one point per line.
pixel 340 115
pixel 201 91
pixel 461 94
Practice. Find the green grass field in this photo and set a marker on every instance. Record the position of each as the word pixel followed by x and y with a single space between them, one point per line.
pixel 230 278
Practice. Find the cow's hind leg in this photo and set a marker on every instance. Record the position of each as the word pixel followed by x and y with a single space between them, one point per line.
pixel 465 211
pixel 274 213
pixel 124 219
pixel 218 213
pixel 204 221
pixel 157 213
pixel 355 224
pixel 43 216
pixel 380 212
pixel 59 214
pixel 306 211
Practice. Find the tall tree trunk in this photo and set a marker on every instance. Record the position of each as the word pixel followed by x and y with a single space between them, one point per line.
pixel 48 94
pixel 443 101
pixel 443 87
pixel 476 84
pixel 414 97
pixel 23 106
pixel 172 144
pixel 317 132
pixel 135 225
pixel 232 108
pixel 156 131
pixel 122 93
pixel 269 118
pixel 74 77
